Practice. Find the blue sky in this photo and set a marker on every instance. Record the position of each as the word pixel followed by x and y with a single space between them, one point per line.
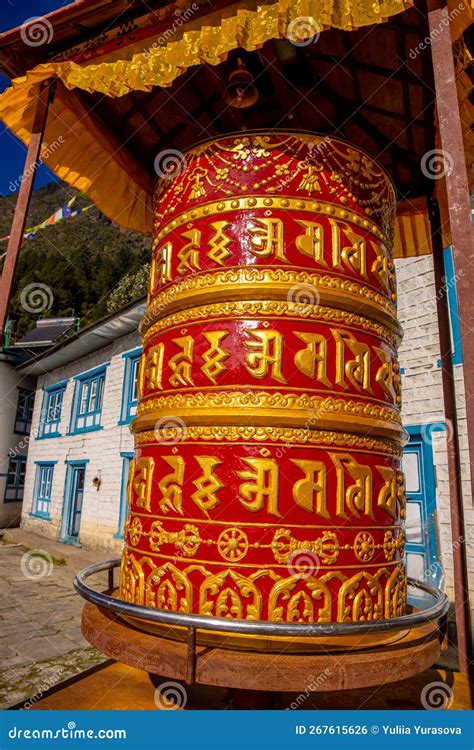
pixel 12 152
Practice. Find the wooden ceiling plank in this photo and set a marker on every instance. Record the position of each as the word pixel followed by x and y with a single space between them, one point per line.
pixel 379 137
pixel 369 68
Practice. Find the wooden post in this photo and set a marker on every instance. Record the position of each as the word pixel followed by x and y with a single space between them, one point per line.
pixel 23 201
pixel 457 188
pixel 458 534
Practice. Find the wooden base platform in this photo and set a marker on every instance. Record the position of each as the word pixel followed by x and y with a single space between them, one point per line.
pixel 118 686
pixel 242 670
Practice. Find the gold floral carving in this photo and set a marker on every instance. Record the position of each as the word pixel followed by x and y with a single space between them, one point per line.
pixel 233 544
pixel 364 546
pixel 356 598
pixel 215 208
pixel 274 283
pixel 286 436
pixel 393 544
pixel 326 547
pixel 298 408
pixel 299 597
pixel 360 598
pixel 218 596
pixel 187 540
pixel 268 308
pixel 396 593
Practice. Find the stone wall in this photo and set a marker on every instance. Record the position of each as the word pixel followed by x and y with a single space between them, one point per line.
pixel 423 399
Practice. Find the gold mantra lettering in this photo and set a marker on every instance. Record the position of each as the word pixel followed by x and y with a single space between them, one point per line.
pixel 265 359
pixel 354 361
pixel 267 239
pixel 181 364
pixel 188 256
pixel 207 485
pixel 259 488
pixel 215 356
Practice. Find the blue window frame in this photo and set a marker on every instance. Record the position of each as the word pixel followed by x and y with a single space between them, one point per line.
pixel 15 484
pixel 88 400
pixel 130 386
pixel 126 461
pixel 43 489
pixel 24 411
pixel 421 548
pixel 51 410
pixel 74 490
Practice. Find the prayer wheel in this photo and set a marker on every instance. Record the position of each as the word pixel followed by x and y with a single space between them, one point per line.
pixel 266 483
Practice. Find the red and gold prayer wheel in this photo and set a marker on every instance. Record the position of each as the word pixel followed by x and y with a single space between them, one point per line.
pixel 266 483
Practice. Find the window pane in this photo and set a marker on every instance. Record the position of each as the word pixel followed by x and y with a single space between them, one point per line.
pixel 411 469
pixel 415 566
pixel 413 522
pixel 134 378
pixel 93 392
pixel 100 394
pixel 84 398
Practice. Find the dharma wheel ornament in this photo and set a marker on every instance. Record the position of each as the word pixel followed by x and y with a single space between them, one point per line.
pixel 266 483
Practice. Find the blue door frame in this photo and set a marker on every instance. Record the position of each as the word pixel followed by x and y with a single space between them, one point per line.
pixel 421 550
pixel 73 501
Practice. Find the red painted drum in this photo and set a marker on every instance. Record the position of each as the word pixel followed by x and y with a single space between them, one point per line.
pixel 266 483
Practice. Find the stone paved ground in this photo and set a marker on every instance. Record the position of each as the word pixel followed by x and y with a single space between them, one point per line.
pixel 40 614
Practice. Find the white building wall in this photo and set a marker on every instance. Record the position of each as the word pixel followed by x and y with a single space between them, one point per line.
pixel 101 448
pixel 422 398
pixel 11 444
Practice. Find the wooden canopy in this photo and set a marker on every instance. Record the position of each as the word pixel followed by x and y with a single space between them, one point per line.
pixel 372 86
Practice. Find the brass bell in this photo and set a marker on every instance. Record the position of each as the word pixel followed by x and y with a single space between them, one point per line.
pixel 240 91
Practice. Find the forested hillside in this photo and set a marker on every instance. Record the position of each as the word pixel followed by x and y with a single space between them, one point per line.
pixel 82 260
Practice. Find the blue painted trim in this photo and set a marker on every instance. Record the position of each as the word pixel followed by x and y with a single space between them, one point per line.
pixel 56 386
pixel 126 402
pixel 80 430
pixel 133 352
pixel 40 465
pixel 453 307
pixel 17 487
pixel 427 428
pixel 420 443
pixel 123 495
pixel 91 373
pixel 64 537
pixel 80 380
pixel 20 417
pixel 41 516
pixel 50 391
